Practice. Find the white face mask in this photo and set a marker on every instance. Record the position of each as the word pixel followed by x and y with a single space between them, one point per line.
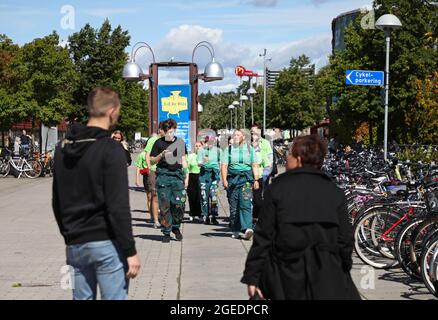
pixel 169 135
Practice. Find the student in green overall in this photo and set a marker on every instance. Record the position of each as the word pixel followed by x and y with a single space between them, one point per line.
pixel 209 160
pixel 240 175
pixel 264 155
pixel 193 190
pixel 169 153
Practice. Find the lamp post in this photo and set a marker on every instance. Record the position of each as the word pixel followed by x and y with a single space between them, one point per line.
pixel 131 70
pixel 242 99
pixel 235 104
pixel 265 84
pixel 231 107
pixel 213 70
pixel 387 23
pixel 251 92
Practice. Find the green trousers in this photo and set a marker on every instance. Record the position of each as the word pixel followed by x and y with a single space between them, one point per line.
pixel 171 199
pixel 208 182
pixel 239 194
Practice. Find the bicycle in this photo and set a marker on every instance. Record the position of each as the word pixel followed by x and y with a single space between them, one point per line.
pixel 31 168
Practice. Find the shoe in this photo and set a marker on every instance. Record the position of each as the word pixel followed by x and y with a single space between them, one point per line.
pixel 166 238
pixel 248 234
pixel 206 220
pixel 191 219
pixel 214 221
pixel 235 235
pixel 157 225
pixel 178 234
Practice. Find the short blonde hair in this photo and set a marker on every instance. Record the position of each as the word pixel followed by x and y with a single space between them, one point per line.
pixel 101 99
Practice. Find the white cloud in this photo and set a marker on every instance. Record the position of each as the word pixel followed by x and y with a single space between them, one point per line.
pixel 262 3
pixel 180 42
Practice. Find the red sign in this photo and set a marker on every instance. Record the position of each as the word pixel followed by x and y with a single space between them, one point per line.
pixel 239 71
pixel 242 72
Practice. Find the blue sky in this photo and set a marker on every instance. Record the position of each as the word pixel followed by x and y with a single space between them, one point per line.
pixel 238 29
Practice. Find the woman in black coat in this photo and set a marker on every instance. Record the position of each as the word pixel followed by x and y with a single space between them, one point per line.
pixel 303 241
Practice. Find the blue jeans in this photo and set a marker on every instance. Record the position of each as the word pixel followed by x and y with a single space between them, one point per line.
pixel 98 263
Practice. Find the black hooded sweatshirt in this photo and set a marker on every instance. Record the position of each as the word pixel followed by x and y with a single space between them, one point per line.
pixel 90 189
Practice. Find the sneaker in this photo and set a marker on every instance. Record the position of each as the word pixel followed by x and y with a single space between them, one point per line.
pixel 191 219
pixel 178 234
pixel 166 238
pixel 214 221
pixel 206 220
pixel 235 235
pixel 248 234
pixel 157 225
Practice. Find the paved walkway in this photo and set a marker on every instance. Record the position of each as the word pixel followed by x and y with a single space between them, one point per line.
pixel 207 264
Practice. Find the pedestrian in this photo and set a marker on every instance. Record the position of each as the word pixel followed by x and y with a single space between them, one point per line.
pixel 239 172
pixel 142 170
pixel 25 140
pixel 169 153
pixel 91 203
pixel 264 156
pixel 303 241
pixel 358 144
pixel 119 137
pixel 209 159
pixel 151 189
pixel 193 189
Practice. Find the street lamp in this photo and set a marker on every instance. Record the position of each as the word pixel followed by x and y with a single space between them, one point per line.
pixel 387 23
pixel 251 92
pixel 213 71
pixel 131 70
pixel 231 107
pixel 242 99
pixel 235 104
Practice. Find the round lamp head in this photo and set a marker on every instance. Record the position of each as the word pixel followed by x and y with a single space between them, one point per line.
pixel 236 103
pixel 251 91
pixel 243 98
pixel 200 107
pixel 131 71
pixel 213 71
pixel 231 107
pixel 388 22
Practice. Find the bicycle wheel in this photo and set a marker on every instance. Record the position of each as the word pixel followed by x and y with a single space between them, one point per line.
pixel 401 247
pixel 420 235
pixel 429 265
pixel 5 167
pixel 369 242
pixel 32 169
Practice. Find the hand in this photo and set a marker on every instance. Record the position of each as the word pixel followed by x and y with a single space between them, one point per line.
pixel 225 183
pixel 256 185
pixel 186 182
pixel 252 291
pixel 133 266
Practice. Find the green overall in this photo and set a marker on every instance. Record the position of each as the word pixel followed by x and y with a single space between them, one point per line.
pixel 209 180
pixel 240 179
pixel 171 197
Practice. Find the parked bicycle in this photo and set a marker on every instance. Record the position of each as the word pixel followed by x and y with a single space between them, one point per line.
pixel 31 168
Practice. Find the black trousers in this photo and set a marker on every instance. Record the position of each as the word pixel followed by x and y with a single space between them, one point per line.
pixel 194 195
pixel 257 200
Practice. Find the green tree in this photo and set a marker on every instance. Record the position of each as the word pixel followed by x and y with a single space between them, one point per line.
pixel 99 56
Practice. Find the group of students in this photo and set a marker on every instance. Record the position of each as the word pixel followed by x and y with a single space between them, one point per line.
pixel 171 175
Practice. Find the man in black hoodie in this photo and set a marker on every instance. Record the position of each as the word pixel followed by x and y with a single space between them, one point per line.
pixel 91 203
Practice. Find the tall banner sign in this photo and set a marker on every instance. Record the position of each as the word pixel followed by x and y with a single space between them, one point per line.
pixel 174 101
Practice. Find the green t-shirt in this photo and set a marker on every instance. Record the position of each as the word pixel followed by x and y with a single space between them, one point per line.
pixel 242 157
pixel 149 147
pixel 192 163
pixel 264 155
pixel 214 156
pixel 141 161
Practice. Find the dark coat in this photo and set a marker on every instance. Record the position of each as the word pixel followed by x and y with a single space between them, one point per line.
pixel 303 241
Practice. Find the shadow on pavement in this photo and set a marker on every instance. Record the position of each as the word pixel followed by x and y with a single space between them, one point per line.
pixel 142 211
pixel 153 237
pixel 217 234
pixel 138 189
